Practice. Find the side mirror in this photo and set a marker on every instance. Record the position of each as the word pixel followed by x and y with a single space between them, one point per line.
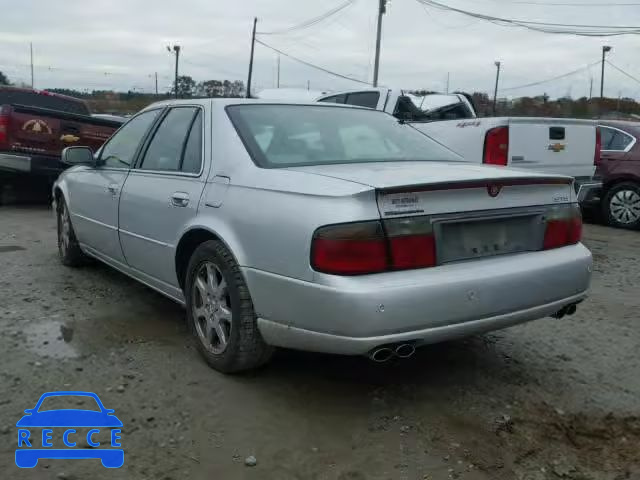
pixel 78 156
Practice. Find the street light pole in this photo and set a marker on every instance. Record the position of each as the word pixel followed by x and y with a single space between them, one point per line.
pixel 382 9
pixel 605 49
pixel 495 91
pixel 176 49
pixel 253 44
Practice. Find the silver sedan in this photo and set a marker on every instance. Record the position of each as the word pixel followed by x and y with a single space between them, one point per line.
pixel 319 227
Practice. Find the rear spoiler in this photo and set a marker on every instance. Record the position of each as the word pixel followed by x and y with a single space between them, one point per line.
pixel 481 183
pixel 66 115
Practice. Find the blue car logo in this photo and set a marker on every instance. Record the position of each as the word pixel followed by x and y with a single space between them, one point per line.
pixel 32 447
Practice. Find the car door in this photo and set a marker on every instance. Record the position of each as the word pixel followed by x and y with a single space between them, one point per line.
pixel 162 194
pixel 94 193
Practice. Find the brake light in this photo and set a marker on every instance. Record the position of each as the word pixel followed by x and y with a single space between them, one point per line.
pixel 4 128
pixel 411 242
pixel 349 249
pixel 596 154
pixel 564 227
pixel 367 247
pixel 496 146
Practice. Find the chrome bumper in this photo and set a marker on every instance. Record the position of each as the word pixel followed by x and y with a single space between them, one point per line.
pixel 351 315
pixel 15 163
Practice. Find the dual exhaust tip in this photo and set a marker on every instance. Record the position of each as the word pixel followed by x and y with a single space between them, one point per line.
pixel 386 353
pixel 567 310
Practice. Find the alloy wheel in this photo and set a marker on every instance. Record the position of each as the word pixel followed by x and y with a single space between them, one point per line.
pixel 625 206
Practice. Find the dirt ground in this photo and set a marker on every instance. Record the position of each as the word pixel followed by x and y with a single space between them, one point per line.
pixel 546 400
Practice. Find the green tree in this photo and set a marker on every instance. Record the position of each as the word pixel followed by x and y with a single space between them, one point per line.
pixel 186 86
pixel 3 79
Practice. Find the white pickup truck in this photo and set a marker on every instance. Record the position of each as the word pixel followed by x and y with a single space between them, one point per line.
pixel 550 145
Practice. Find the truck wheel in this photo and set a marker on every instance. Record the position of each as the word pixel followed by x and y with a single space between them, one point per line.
pixel 220 311
pixel 621 206
pixel 68 248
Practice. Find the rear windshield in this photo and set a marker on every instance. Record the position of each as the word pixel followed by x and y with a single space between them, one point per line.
pixel 34 99
pixel 297 135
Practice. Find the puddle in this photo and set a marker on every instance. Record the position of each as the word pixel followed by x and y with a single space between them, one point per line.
pixel 50 339
pixel 10 248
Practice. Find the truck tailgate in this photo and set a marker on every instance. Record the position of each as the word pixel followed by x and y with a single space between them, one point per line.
pixel 553 145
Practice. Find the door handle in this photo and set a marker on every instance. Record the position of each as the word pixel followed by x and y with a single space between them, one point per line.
pixel 113 188
pixel 179 199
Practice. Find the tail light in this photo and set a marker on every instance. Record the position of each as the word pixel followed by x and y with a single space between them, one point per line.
pixel 496 146
pixel 564 226
pixel 596 154
pixel 350 249
pixel 368 247
pixel 4 128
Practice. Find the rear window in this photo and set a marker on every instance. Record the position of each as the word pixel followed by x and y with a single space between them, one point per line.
pixel 34 99
pixel 298 135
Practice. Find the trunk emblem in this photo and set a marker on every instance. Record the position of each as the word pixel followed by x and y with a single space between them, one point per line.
pixel 493 190
pixel 556 147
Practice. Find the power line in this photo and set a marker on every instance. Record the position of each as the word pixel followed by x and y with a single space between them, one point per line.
pixel 623 72
pixel 545 27
pixel 312 21
pixel 322 69
pixel 558 77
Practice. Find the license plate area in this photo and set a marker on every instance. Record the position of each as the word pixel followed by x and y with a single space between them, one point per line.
pixel 485 236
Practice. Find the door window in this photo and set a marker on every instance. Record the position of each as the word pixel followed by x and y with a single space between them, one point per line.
pixel 121 148
pixel 165 150
pixel 364 99
pixel 192 158
pixel 615 140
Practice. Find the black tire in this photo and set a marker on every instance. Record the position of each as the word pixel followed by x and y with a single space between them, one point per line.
pixel 69 250
pixel 629 193
pixel 245 349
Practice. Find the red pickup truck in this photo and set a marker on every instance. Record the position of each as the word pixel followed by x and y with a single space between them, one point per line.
pixel 36 125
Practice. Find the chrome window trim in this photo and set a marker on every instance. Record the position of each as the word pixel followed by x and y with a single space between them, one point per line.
pixel 628 147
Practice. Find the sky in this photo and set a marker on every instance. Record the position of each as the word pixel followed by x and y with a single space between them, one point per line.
pixel 118 44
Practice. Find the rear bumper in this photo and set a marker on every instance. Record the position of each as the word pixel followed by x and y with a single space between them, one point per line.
pixel 21 163
pixel 352 315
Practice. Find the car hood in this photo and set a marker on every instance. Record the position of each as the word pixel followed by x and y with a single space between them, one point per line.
pixel 395 174
pixel 69 418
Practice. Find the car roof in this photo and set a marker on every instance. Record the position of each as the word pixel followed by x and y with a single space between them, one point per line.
pixel 621 124
pixel 223 102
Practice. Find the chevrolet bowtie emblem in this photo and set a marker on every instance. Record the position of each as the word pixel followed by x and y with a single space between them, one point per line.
pixel 68 138
pixel 556 147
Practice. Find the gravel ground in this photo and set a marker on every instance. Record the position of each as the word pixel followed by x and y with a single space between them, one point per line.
pixel 547 400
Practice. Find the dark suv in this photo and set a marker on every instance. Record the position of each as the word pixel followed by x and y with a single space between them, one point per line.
pixel 619 168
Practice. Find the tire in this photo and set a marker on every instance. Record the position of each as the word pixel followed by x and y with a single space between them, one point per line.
pixel 220 311
pixel 621 206
pixel 68 247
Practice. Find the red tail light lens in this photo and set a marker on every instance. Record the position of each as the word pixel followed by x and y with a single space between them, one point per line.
pixel 4 128
pixel 596 154
pixel 350 249
pixel 564 227
pixel 411 242
pixel 496 146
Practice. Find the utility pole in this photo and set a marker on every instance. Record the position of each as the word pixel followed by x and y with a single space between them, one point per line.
pixel 308 85
pixel 605 49
pixel 156 75
pixel 176 49
pixel 278 77
pixel 382 9
pixel 31 50
pixel 447 82
pixel 590 87
pixel 253 44
pixel 495 91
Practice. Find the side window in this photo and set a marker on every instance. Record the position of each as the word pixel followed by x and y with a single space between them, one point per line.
pixel 364 99
pixel 334 99
pixel 620 141
pixel 607 136
pixel 165 150
pixel 120 149
pixel 192 158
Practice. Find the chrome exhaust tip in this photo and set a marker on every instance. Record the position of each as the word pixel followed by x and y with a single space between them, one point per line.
pixel 381 355
pixel 405 350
